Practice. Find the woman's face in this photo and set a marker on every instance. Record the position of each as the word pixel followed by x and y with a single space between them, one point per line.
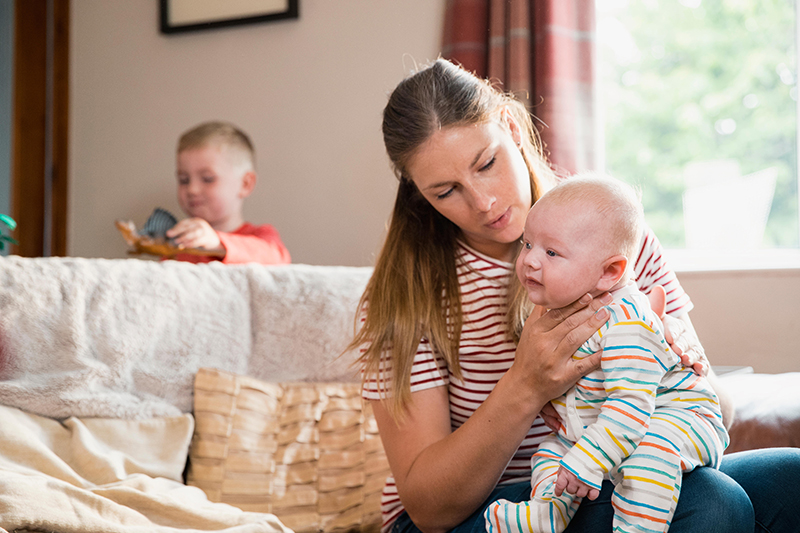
pixel 476 177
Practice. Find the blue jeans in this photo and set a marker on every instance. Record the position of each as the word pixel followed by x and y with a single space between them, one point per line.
pixel 753 492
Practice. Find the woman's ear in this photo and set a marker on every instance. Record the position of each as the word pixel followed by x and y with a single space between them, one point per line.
pixel 513 126
pixel 613 270
pixel 248 184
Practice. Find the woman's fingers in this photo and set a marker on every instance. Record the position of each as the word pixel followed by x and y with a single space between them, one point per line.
pixel 684 342
pixel 550 417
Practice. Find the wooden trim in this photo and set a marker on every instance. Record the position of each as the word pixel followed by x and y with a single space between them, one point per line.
pixel 30 127
pixel 58 232
pixel 28 131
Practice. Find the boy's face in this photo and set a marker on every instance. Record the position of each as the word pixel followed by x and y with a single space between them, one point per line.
pixel 211 185
pixel 561 257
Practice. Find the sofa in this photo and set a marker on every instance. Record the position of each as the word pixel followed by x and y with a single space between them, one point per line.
pixel 162 396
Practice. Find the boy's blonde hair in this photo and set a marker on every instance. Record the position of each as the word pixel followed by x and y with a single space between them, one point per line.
pixel 218 133
pixel 614 202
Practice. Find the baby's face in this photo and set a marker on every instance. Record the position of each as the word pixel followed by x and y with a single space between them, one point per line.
pixel 210 183
pixel 560 259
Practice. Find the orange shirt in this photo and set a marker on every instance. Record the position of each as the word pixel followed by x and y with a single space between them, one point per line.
pixel 248 244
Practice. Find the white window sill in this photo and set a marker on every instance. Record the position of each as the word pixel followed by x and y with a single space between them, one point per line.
pixel 732 260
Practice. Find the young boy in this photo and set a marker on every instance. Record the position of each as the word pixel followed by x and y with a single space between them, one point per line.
pixel 216 172
pixel 642 419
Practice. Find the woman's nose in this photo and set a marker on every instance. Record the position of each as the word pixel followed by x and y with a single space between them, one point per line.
pixel 483 200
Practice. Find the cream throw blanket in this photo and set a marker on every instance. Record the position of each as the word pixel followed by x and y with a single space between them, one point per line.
pixel 124 338
pixel 107 476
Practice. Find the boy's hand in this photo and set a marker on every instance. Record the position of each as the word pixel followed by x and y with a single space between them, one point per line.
pixel 566 480
pixel 194 233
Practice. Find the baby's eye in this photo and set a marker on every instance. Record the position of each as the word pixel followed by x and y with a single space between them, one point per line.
pixel 551 253
pixel 527 245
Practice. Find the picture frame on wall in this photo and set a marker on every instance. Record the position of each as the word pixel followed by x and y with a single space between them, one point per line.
pixel 177 16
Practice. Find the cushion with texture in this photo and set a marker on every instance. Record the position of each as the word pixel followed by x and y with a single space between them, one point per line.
pixel 767 410
pixel 306 452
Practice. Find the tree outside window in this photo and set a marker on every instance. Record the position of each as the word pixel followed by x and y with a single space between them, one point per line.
pixel 699 99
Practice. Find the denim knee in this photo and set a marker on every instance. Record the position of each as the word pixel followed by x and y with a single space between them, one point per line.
pixel 710 501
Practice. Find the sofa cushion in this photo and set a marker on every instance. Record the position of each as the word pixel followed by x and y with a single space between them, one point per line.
pixel 767 410
pixel 306 452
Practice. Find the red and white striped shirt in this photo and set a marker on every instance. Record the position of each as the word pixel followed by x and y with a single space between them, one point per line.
pixel 486 351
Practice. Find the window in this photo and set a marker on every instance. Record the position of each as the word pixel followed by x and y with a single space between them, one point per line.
pixel 699 101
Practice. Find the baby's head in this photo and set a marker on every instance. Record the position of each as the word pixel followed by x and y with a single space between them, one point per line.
pixel 216 172
pixel 581 237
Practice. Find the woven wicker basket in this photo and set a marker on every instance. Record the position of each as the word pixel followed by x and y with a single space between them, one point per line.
pixel 306 452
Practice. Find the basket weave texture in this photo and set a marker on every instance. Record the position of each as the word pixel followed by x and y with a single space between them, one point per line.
pixel 306 452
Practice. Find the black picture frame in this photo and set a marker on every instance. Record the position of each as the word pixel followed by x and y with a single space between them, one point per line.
pixel 224 16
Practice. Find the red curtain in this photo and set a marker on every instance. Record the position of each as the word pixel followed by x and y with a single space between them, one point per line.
pixel 543 52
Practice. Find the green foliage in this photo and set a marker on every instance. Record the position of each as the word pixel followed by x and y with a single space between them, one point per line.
pixel 11 224
pixel 694 64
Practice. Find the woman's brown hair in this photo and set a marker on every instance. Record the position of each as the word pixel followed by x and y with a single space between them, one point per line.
pixel 414 287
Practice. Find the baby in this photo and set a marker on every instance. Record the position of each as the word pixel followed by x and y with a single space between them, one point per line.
pixel 642 419
pixel 216 172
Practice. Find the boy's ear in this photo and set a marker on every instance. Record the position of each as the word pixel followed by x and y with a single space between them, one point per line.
pixel 248 184
pixel 613 270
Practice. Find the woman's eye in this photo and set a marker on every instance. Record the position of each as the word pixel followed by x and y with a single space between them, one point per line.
pixel 488 164
pixel 445 194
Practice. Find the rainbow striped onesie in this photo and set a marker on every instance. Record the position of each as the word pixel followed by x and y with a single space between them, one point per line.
pixel 640 420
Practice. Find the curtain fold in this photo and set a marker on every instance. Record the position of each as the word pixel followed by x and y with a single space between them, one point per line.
pixel 542 51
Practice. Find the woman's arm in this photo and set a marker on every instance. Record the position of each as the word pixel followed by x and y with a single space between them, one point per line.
pixel 442 476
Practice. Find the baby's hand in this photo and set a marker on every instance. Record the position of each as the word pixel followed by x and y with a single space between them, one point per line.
pixel 566 480
pixel 194 233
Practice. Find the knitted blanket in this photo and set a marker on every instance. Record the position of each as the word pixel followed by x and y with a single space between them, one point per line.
pixel 124 338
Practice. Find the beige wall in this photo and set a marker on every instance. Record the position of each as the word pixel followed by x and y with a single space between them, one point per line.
pixel 748 318
pixel 309 92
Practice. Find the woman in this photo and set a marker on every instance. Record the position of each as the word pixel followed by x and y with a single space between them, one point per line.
pixel 457 384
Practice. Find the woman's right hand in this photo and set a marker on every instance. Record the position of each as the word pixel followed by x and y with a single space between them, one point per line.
pixel 443 475
pixel 544 360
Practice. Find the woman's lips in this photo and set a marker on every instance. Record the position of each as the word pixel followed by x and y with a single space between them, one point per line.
pixel 502 221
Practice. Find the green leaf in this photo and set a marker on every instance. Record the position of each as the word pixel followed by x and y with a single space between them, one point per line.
pixel 8 221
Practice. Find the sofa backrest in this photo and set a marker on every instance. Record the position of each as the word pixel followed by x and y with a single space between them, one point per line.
pixel 124 338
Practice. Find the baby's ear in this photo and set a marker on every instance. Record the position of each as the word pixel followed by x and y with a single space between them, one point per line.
pixel 248 184
pixel 613 270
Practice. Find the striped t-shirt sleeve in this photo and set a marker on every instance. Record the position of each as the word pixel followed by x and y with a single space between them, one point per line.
pixel 651 268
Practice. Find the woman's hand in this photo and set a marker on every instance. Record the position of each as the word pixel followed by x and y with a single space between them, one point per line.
pixel 550 338
pixel 680 334
pixel 550 417
pixel 684 342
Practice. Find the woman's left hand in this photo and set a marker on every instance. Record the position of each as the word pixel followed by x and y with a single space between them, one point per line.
pixel 680 334
pixel 684 342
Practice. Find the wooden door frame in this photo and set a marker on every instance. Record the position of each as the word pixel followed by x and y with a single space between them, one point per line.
pixel 40 127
